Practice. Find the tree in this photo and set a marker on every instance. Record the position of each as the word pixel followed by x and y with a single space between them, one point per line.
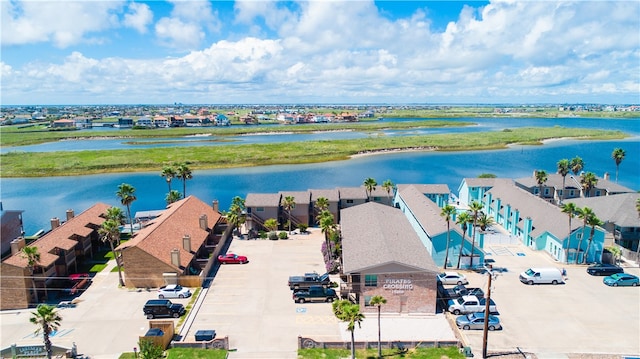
pixel 32 256
pixel 576 165
pixel 618 155
pixel 322 204
pixel 173 196
pixel 288 204
pixel 584 214
pixel 271 224
pixel 327 225
pixel 48 320
pixel 168 172
pixel 563 170
pixel 570 209
pixel 448 212
pixel 485 221
pixel 235 216
pixel 350 313
pixel 592 221
pixel 370 186
pixel 388 186
pixel 475 207
pixel 126 194
pixel 109 232
pixel 378 301
pixel 150 350
pixel 541 179
pixel 463 220
pixel 588 182
pixel 116 214
pixel 184 173
pixel 615 252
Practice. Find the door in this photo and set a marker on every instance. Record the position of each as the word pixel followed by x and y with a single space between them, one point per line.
pixel 403 304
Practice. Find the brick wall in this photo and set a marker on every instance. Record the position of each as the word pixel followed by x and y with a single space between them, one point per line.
pixel 412 293
pixel 15 284
pixel 143 270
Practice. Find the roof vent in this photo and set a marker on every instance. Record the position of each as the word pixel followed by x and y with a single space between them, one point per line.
pixel 186 243
pixel 175 257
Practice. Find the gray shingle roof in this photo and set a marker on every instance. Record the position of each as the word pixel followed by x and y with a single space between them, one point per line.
pixel 331 194
pixel 424 210
pixel 553 180
pixel 300 197
pixel 352 192
pixel 480 182
pixel 374 234
pixel 428 188
pixel 262 200
pixel 619 208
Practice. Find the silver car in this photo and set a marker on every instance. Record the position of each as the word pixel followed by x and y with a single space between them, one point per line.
pixel 173 291
pixel 476 321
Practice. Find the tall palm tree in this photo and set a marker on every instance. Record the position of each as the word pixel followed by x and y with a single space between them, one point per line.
pixel 588 182
pixel 168 172
pixel 322 204
pixel 448 212
pixel 593 222
pixel 116 214
pixel 327 225
pixel 485 221
pixel 370 186
pixel 570 209
pixel 288 204
pixel 541 179
pixel 618 155
pixel 475 208
pixel 350 313
pixel 388 186
pixel 48 320
pixel 463 220
pixel 173 196
pixel 126 194
pixel 378 301
pixel 109 232
pixel 235 216
pixel 584 214
pixel 184 173
pixel 576 165
pixel 564 167
pixel 32 255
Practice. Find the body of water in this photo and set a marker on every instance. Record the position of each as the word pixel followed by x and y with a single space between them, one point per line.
pixel 44 198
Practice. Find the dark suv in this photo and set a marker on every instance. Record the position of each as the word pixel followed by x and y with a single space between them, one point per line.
pixel 163 308
pixel 604 269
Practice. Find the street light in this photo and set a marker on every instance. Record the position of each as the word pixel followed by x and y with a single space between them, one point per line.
pixel 489 269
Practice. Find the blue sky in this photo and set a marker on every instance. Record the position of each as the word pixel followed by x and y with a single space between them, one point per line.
pixel 256 51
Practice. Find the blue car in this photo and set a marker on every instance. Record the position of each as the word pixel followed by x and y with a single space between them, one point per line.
pixel 622 280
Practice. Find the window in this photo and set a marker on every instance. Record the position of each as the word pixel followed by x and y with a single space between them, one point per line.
pixel 367 300
pixel 350 201
pixel 579 235
pixel 546 191
pixel 370 280
pixel 377 199
pixel 597 192
pixel 536 190
pixel 260 209
pixel 572 193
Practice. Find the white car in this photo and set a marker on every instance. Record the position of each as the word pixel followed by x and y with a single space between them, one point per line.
pixel 173 291
pixel 452 278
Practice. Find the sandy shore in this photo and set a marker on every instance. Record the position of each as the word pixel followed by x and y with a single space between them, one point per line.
pixel 396 150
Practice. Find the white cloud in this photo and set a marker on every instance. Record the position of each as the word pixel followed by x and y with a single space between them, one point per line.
pixel 185 28
pixel 138 17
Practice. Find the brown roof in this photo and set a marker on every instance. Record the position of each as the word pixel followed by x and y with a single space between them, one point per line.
pixel 63 236
pixel 165 232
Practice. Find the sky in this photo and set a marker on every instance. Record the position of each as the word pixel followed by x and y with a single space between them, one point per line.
pixel 319 52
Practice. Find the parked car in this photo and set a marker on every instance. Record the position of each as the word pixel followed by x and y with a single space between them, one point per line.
pixel 232 258
pixel 314 293
pixel 542 276
pixel 461 290
pixel 452 278
pixel 476 321
pixel 78 282
pixel 604 269
pixel 173 291
pixel 621 280
pixel 163 308
pixel 307 280
pixel 470 304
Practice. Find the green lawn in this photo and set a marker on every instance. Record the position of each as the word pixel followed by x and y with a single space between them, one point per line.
pixel 186 353
pixel 416 353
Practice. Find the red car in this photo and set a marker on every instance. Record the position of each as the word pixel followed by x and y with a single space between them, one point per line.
pixel 232 258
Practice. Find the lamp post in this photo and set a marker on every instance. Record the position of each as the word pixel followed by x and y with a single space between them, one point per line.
pixel 489 268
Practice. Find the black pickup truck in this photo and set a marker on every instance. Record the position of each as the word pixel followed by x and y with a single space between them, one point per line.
pixel 315 294
pixel 457 292
pixel 309 279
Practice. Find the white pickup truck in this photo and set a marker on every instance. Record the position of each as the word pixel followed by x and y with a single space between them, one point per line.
pixel 470 304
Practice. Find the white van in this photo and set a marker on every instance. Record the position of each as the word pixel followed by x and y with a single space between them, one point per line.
pixel 542 276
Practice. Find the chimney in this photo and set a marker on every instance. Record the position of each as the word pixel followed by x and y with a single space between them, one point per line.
pixel 535 173
pixel 175 257
pixel 216 206
pixel 70 214
pixel 17 245
pixel 55 223
pixel 186 243
pixel 204 222
pixel 607 176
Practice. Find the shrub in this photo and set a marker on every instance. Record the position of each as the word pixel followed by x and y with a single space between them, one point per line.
pixel 273 236
pixel 263 235
pixel 283 235
pixel 303 228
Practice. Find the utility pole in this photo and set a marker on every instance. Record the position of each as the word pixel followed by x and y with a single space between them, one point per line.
pixel 486 311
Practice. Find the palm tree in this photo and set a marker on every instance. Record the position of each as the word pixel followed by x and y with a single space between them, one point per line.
pixel 584 214
pixel 576 165
pixel 370 186
pixel 563 170
pixel 485 221
pixel 116 214
pixel 126 194
pixel 588 182
pixel 618 155
pixel 570 209
pixel 271 224
pixel 288 204
pixel 32 255
pixel 235 215
pixel 327 225
pixel 593 222
pixel 168 172
pixel 378 301
pixel 184 173
pixel 463 220
pixel 173 196
pixel 388 186
pixel 448 212
pixel 47 319
pixel 322 204
pixel 350 313
pixel 475 207
pixel 541 179
pixel 109 232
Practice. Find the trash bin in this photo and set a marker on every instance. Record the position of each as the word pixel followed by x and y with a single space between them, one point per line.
pixel 205 335
pixel 154 332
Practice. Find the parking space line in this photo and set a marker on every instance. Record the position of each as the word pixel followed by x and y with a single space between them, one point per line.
pixel 501 251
